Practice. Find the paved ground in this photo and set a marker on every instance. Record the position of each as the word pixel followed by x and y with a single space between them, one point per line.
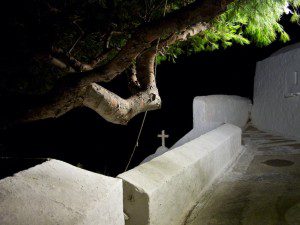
pixel 263 188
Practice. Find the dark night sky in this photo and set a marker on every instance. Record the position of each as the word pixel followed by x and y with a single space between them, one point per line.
pixel 82 136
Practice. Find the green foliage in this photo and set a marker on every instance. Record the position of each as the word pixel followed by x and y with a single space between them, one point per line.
pixel 244 22
pixel 295 18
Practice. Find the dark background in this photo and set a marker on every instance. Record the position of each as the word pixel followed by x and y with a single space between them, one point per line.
pixel 82 136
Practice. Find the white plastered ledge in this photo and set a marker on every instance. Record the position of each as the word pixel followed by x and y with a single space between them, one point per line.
pixel 55 193
pixel 164 190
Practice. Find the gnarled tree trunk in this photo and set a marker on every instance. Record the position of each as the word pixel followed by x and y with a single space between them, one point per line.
pixel 81 88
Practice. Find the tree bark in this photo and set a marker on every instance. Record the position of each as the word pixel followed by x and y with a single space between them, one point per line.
pixel 117 110
pixel 201 11
pixel 80 89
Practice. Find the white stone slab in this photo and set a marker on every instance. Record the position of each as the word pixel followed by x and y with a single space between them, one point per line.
pixel 161 150
pixel 209 112
pixel 221 109
pixel 164 190
pixel 55 192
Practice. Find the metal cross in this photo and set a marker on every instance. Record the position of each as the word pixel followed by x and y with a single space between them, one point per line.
pixel 163 137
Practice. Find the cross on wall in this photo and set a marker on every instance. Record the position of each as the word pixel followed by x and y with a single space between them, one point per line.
pixel 163 137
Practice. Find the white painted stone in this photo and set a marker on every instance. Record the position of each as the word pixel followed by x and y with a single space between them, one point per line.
pixel 196 132
pixel 164 190
pixel 221 109
pixel 209 112
pixel 55 192
pixel 161 150
pixel 273 111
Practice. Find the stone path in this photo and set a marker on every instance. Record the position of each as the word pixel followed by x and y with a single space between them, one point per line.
pixel 263 188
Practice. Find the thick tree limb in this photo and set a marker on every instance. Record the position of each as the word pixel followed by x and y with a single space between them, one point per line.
pixel 189 32
pixel 69 93
pixel 133 83
pixel 178 21
pixel 76 65
pixel 53 108
pixel 101 57
pixel 118 110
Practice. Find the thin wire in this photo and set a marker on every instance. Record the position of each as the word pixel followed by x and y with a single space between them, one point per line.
pixel 137 140
pixel 145 115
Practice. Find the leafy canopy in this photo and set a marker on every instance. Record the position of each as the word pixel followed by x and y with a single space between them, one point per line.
pixel 244 22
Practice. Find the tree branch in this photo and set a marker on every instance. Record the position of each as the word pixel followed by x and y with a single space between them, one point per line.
pixel 133 83
pixel 183 36
pixel 117 110
pixel 61 65
pixel 178 21
pixel 71 61
pixel 69 92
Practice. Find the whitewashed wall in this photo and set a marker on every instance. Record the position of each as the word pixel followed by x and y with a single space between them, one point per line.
pixel 273 110
pixel 209 112
pixel 56 192
pixel 165 189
